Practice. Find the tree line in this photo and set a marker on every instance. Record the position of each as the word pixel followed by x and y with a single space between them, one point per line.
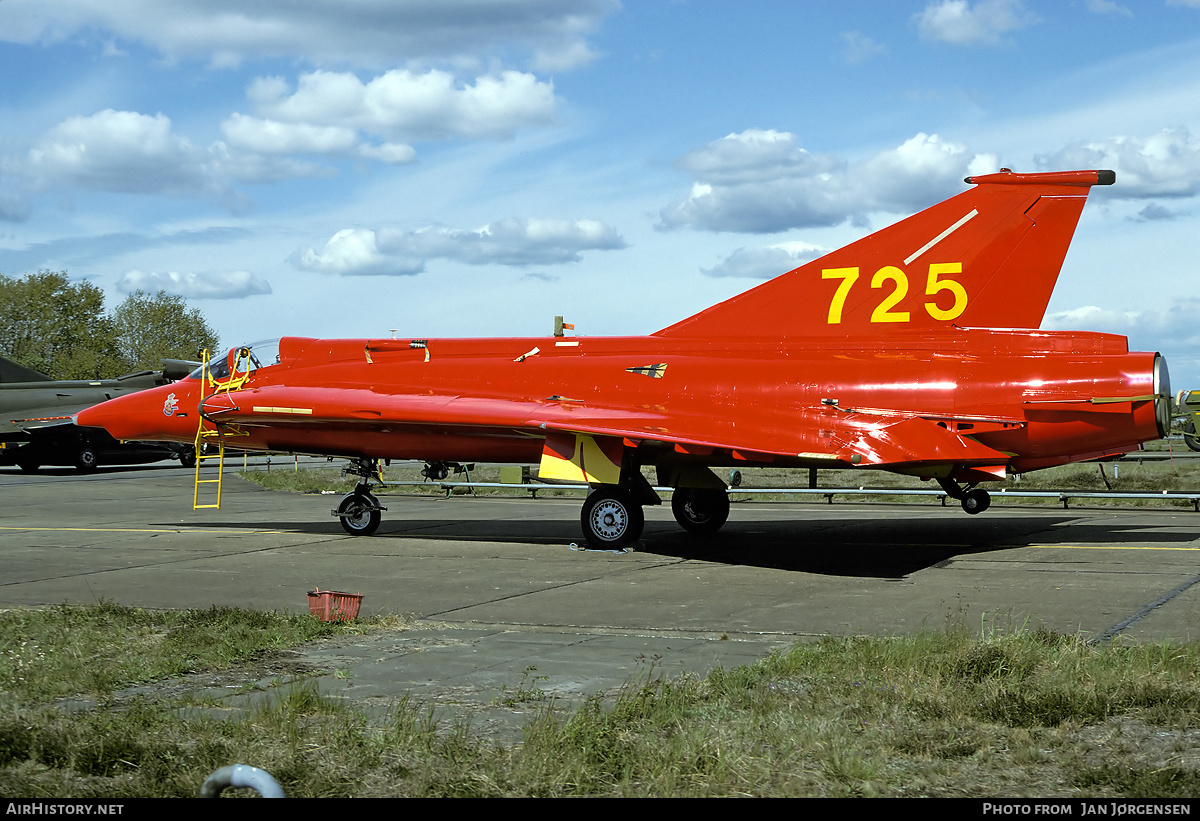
pixel 60 328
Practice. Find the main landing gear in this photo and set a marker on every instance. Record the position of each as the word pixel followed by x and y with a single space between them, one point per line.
pixel 973 500
pixel 700 510
pixel 359 511
pixel 612 515
pixel 611 518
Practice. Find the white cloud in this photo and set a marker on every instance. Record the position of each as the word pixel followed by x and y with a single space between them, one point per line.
pixel 1173 331
pixel 960 23
pixel 272 137
pixel 764 181
pixel 132 153
pixel 328 115
pixel 1179 321
pixel 13 207
pixel 124 151
pixel 402 104
pixel 355 32
pixel 403 251
pixel 390 153
pixel 1166 164
pixel 766 262
pixel 354 252
pixel 211 285
pixel 568 55
pixel 1107 7
pixel 859 48
pixel 1154 212
pixel 336 114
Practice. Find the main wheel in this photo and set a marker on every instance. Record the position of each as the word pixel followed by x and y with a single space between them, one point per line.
pixel 610 519
pixel 86 461
pixel 187 456
pixel 359 514
pixel 700 510
pixel 976 501
pixel 1189 435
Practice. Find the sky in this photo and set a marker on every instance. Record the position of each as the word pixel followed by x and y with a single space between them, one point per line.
pixel 476 167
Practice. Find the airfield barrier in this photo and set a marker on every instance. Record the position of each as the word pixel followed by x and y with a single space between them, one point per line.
pixel 1063 496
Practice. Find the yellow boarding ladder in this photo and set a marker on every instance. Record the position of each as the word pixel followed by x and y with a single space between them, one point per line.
pixel 211 433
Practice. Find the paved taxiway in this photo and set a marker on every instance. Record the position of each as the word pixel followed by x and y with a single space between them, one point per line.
pixel 499 589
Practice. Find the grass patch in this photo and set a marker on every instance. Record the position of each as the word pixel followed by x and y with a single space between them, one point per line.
pixel 1030 714
pixel 306 480
pixel 92 651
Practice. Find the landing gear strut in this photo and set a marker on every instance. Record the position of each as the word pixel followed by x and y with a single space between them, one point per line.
pixel 360 512
pixel 973 500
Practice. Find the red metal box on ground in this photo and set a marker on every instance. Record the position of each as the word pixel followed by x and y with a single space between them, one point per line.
pixel 330 605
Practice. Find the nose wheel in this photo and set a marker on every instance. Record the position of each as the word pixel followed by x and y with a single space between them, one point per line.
pixel 359 511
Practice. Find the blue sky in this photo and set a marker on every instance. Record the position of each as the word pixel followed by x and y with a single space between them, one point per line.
pixel 474 167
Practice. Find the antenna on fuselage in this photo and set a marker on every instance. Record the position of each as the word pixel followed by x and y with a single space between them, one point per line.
pixel 560 326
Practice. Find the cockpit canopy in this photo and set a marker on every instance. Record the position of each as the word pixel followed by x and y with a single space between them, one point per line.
pixel 241 360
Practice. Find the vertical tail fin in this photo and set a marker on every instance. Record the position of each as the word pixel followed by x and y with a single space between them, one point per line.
pixel 988 257
pixel 12 372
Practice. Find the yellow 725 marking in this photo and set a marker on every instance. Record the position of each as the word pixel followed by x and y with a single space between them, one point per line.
pixel 938 281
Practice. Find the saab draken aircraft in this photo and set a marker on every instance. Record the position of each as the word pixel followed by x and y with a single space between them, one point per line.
pixel 913 350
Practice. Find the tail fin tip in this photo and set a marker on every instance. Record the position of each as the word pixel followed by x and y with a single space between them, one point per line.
pixel 1006 176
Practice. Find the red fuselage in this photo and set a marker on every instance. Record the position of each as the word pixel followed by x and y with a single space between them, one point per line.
pixel 1040 398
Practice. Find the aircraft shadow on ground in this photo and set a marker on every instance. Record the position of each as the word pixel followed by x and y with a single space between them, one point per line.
pixel 874 547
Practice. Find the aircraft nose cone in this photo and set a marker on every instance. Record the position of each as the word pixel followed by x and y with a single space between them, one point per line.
pixel 160 414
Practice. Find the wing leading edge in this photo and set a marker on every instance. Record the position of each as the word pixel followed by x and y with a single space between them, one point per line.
pixel 812 434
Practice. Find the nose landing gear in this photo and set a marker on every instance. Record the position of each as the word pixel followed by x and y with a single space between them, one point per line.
pixel 360 512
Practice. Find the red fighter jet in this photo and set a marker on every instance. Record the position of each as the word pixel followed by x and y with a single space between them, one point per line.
pixel 913 350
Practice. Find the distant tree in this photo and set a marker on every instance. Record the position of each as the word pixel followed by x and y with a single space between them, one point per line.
pixel 150 328
pixel 55 326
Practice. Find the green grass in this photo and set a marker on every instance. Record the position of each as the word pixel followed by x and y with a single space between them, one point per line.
pixel 301 481
pixel 65 651
pixel 1032 714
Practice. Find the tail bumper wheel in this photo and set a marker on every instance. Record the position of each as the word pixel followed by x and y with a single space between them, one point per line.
pixel 359 513
pixel 700 510
pixel 976 501
pixel 610 519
